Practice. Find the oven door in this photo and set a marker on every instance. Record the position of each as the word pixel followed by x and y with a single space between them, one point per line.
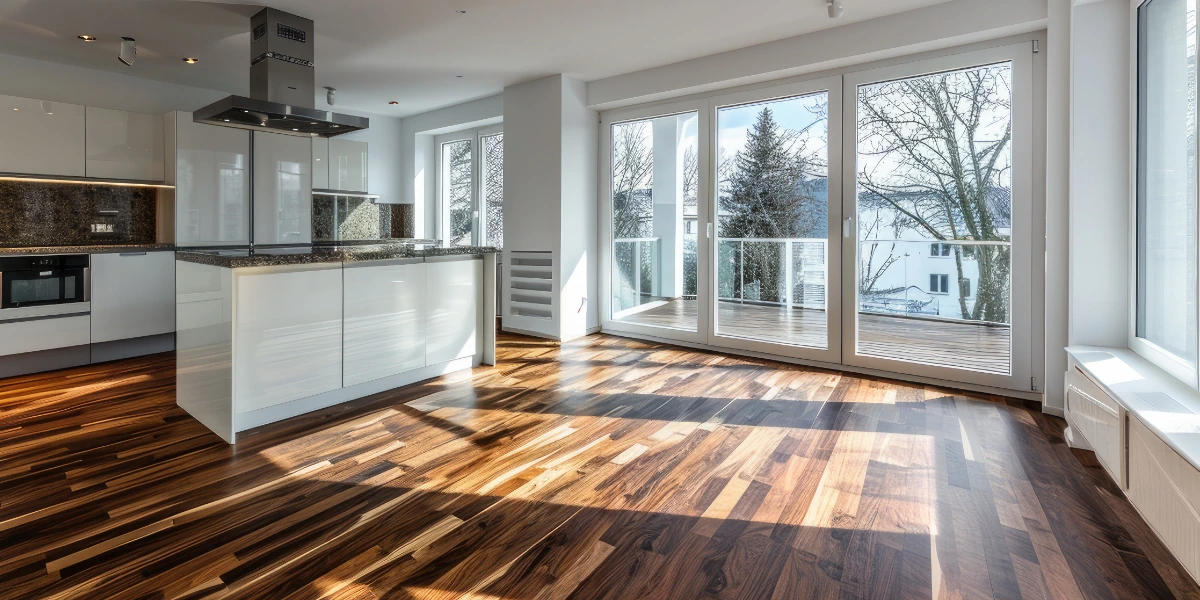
pixel 22 289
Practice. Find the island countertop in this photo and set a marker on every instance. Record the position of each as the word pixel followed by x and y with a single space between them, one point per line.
pixel 237 258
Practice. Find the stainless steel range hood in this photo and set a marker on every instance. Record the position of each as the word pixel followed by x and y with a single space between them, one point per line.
pixel 281 84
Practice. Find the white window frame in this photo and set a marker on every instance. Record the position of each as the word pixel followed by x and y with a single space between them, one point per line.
pixel 1178 367
pixel 943 287
pixel 1028 347
pixel 478 223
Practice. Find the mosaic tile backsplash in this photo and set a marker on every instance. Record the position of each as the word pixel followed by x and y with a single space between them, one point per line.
pixel 65 214
pixel 355 219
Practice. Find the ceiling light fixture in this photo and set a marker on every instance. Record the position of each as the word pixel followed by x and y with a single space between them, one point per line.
pixel 461 12
pixel 191 61
pixel 835 8
pixel 128 51
pixel 393 102
pixel 87 38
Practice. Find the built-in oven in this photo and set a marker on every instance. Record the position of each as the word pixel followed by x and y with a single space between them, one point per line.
pixel 28 281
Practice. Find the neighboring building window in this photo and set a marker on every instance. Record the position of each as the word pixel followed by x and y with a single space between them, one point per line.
pixel 1167 330
pixel 939 284
pixel 939 249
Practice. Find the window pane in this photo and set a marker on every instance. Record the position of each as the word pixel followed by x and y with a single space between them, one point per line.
pixel 773 220
pixel 1166 309
pixel 934 178
pixel 654 255
pixel 457 191
pixel 493 189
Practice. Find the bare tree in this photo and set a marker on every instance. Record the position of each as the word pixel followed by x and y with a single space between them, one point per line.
pixel 460 192
pixel 493 186
pixel 633 176
pixel 939 159
pixel 871 273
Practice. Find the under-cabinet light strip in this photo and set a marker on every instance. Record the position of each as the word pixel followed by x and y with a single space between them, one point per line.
pixel 85 181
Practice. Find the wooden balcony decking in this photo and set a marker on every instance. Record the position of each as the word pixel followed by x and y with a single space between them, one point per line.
pixel 924 341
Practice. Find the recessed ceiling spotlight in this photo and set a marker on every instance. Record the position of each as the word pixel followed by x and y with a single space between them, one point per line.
pixel 226 120
pixel 295 130
pixel 458 76
pixel 461 12
pixel 393 102
pixel 87 38
pixel 191 61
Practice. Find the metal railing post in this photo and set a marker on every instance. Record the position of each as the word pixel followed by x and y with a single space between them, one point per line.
pixel 787 256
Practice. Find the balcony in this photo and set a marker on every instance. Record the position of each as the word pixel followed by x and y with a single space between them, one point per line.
pixel 773 290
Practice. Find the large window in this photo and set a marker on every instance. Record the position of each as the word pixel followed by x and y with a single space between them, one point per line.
pixel 1166 325
pixel 471 187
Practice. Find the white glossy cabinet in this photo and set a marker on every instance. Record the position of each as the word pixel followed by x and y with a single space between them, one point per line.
pixel 347 165
pixel 282 189
pixel 124 145
pixel 212 182
pixel 385 314
pixel 133 295
pixel 41 137
pixel 453 295
pixel 287 336
pixel 320 163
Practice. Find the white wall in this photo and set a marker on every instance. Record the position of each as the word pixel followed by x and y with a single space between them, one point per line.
pixel 1100 174
pixel 940 26
pixel 580 226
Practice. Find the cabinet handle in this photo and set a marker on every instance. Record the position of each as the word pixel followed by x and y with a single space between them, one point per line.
pixel 133 254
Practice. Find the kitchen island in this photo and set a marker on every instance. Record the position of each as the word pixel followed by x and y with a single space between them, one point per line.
pixel 268 334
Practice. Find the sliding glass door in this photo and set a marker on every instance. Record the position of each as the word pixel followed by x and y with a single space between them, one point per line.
pixel 775 291
pixel 880 219
pixel 939 218
pixel 652 201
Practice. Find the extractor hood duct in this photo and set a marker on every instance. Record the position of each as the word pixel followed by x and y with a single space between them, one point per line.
pixel 281 84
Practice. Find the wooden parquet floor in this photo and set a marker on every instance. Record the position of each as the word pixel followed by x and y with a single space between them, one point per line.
pixel 601 468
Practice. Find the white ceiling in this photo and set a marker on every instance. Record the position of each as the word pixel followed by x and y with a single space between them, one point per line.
pixel 411 51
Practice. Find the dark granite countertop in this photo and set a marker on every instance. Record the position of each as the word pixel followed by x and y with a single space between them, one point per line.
pixel 93 249
pixel 304 255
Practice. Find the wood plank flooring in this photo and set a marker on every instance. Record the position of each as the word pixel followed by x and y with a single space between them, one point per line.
pixel 600 468
pixel 925 341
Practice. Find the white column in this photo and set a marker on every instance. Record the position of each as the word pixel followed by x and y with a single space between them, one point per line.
pixel 668 205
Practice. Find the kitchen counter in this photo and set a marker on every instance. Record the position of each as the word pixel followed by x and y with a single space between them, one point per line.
pixel 92 249
pixel 271 333
pixel 302 255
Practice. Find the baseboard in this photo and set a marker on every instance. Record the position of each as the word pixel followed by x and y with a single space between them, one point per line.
pixel 142 346
pixel 295 408
pixel 1054 410
pixel 41 361
pixel 536 334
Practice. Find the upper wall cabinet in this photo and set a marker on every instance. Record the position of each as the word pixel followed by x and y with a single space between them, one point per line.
pixel 212 182
pixel 124 145
pixel 282 189
pixel 320 163
pixel 41 137
pixel 347 165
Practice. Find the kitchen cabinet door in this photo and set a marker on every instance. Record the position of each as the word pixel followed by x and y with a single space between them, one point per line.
pixel 453 294
pixel 347 165
pixel 133 295
pixel 385 314
pixel 320 163
pixel 41 137
pixel 288 336
pixel 282 189
pixel 124 145
pixel 212 184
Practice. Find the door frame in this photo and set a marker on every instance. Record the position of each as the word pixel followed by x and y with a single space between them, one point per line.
pixel 1021 319
pixel 703 198
pixel 832 86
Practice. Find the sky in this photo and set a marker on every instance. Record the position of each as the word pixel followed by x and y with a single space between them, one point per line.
pixel 791 113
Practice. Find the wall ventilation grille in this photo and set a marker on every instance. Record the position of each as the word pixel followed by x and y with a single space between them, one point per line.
pixel 531 285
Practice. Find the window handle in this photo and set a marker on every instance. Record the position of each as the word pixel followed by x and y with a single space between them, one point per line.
pixel 846 227
pixel 708 233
